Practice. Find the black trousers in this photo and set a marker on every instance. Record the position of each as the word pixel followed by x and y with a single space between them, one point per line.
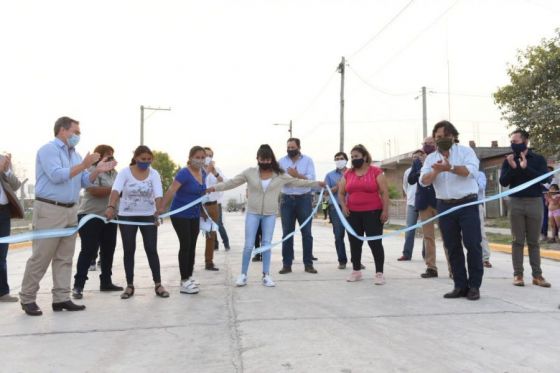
pixel 367 222
pixel 96 235
pixel 149 236
pixel 187 230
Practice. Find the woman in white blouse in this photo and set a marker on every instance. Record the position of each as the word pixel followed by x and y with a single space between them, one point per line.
pixel 140 191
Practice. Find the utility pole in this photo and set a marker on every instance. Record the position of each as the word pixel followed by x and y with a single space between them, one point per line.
pixel 424 114
pixel 290 129
pixel 142 109
pixel 341 70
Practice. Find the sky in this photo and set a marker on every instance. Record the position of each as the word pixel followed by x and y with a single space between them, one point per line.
pixel 230 69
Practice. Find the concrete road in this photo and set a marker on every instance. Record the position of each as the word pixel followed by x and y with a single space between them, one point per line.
pixel 307 323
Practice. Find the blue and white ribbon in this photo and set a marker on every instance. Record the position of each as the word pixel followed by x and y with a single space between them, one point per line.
pixel 66 232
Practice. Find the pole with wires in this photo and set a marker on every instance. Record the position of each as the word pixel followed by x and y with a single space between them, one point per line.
pixel 341 69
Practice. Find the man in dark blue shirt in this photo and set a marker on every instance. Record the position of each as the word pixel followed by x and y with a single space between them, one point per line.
pixel 526 209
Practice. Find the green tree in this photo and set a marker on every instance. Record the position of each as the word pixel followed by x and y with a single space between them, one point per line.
pixel 532 99
pixel 166 168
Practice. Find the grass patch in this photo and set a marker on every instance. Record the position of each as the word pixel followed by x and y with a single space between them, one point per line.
pixel 502 222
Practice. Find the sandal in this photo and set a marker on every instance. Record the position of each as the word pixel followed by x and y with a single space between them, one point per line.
pixel 128 292
pixel 161 292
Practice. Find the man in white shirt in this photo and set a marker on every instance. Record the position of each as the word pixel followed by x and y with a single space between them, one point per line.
pixel 411 211
pixel 213 177
pixel 452 170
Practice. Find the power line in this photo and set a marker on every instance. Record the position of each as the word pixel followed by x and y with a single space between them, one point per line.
pixel 370 40
pixel 377 89
pixel 319 94
pixel 434 22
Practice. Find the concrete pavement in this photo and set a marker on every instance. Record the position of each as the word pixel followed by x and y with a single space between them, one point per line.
pixel 308 323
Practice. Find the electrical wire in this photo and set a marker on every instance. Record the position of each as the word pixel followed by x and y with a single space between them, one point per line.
pixel 376 35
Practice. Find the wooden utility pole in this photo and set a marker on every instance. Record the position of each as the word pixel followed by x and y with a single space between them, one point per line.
pixel 341 70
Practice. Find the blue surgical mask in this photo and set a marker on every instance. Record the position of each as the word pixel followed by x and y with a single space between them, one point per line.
pixel 143 165
pixel 73 140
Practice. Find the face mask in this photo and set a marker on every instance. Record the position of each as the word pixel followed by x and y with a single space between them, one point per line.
pixel 265 166
pixel 518 148
pixel 428 148
pixel 293 153
pixel 73 140
pixel 207 161
pixel 340 164
pixel 444 144
pixel 197 163
pixel 357 163
pixel 143 165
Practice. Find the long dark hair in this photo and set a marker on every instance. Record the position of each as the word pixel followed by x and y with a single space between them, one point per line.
pixel 265 152
pixel 364 152
pixel 140 150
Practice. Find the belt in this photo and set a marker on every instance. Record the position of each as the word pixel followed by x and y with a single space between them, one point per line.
pixel 468 198
pixel 62 204
pixel 211 203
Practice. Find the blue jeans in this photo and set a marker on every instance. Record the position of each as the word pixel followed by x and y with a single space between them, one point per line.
pixel 4 231
pixel 298 207
pixel 462 225
pixel 252 222
pixel 339 231
pixel 411 219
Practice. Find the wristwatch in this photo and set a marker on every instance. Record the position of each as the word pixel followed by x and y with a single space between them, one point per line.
pixel 217 175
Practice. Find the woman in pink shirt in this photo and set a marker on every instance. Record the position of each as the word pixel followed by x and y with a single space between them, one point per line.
pixel 364 198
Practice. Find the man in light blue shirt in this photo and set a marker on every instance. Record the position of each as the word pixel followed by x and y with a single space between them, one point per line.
pixel 296 203
pixel 331 181
pixel 60 174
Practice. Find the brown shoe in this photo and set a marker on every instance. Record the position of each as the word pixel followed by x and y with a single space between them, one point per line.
pixel 487 264
pixel 540 281
pixel 518 281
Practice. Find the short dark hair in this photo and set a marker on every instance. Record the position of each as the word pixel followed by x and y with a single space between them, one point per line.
pixel 524 134
pixel 296 140
pixel 448 129
pixel 63 122
pixel 341 154
pixel 553 185
pixel 207 148
pixel 103 149
pixel 418 151
pixel 363 151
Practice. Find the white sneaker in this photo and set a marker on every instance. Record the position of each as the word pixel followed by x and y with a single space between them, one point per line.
pixel 379 279
pixel 241 280
pixel 196 282
pixel 189 287
pixel 267 281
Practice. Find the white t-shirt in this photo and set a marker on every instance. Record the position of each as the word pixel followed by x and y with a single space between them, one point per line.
pixel 265 183
pixel 138 196
pixel 410 190
pixel 211 180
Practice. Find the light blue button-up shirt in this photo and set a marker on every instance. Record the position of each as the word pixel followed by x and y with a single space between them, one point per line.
pixel 333 178
pixel 304 166
pixel 52 172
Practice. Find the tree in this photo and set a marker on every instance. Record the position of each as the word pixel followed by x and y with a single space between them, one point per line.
pixel 532 99
pixel 166 168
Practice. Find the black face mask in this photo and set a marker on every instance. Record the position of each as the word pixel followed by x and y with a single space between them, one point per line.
pixel 518 148
pixel 293 153
pixel 265 166
pixel 357 163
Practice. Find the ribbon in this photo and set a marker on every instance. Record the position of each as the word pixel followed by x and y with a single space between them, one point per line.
pixel 418 225
pixel 65 232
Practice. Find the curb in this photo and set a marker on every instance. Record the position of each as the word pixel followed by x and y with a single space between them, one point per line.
pixel 20 245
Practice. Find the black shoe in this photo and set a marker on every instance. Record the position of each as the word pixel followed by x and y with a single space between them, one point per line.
pixel 77 293
pixel 227 247
pixel 314 258
pixel 362 266
pixel 456 293
pixel 429 273
pixel 110 287
pixel 212 267
pixel 285 270
pixel 473 294
pixel 257 258
pixel 32 309
pixel 310 269
pixel 68 306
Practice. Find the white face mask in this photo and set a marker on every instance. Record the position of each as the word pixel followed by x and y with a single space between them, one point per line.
pixel 340 164
pixel 207 161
